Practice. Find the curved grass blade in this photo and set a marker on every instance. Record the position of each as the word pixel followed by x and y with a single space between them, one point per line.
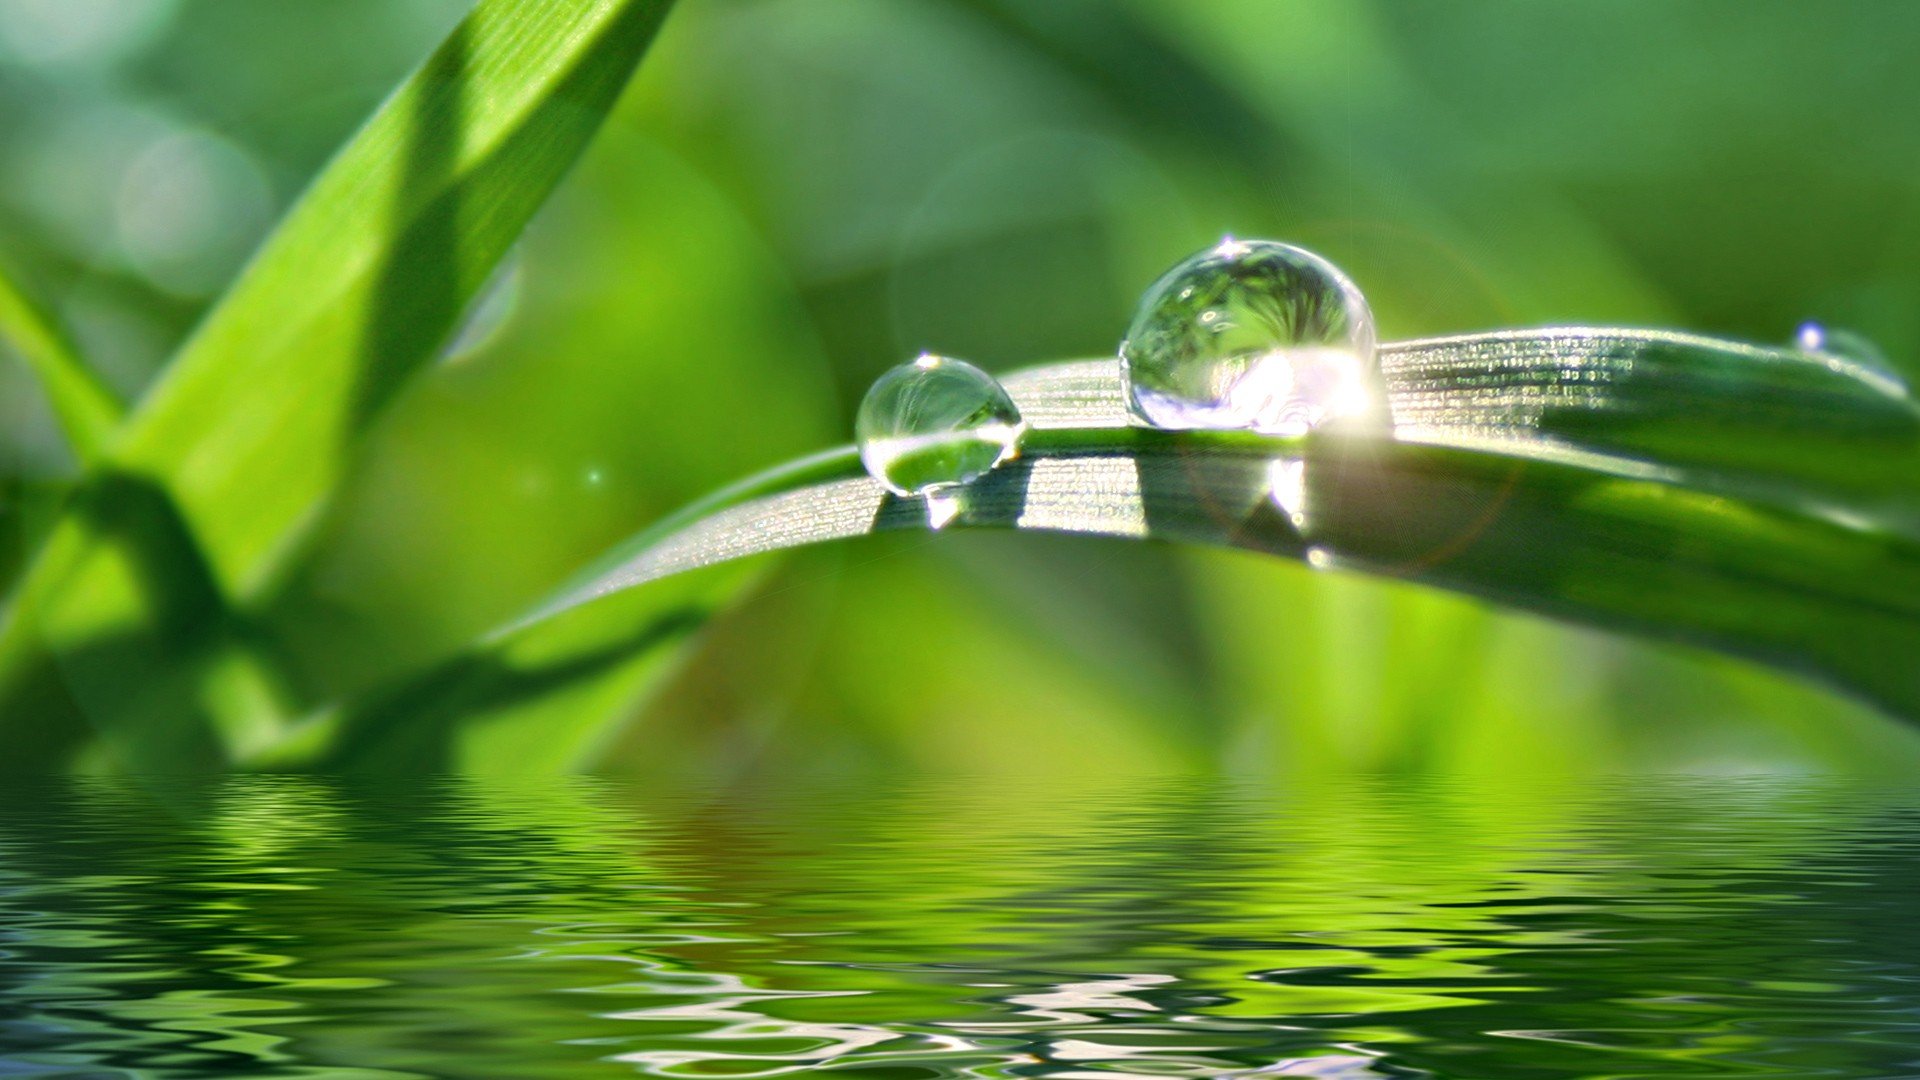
pixel 131 629
pixel 1761 502
pixel 86 408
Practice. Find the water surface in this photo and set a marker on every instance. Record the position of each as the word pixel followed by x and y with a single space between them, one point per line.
pixel 270 927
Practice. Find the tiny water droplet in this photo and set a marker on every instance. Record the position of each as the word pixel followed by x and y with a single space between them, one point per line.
pixel 1810 336
pixel 936 423
pixel 1847 351
pixel 1815 337
pixel 1252 334
pixel 1319 558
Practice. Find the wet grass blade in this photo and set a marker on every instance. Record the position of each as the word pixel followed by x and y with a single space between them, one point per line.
pixel 133 625
pixel 1761 502
pixel 86 408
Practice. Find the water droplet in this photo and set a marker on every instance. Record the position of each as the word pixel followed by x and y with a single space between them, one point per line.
pixel 1851 353
pixel 1252 334
pixel 1814 337
pixel 936 423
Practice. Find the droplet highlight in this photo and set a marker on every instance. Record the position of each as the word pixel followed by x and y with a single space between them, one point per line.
pixel 1252 334
pixel 935 424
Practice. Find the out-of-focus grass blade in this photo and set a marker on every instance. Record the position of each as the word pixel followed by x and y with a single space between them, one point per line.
pixel 545 701
pixel 1757 501
pixel 87 409
pixel 371 270
pixel 138 603
pixel 28 508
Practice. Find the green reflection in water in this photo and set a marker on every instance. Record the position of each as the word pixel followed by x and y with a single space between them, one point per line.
pixel 270 927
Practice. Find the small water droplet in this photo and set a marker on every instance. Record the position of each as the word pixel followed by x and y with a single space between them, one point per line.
pixel 1810 337
pixel 1252 334
pixel 1319 558
pixel 1851 353
pixel 936 423
pixel 1815 337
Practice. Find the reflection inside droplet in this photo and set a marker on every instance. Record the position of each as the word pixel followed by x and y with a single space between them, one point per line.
pixel 936 423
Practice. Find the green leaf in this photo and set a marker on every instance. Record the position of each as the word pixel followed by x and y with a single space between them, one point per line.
pixel 87 410
pixel 134 624
pixel 254 423
pixel 1762 502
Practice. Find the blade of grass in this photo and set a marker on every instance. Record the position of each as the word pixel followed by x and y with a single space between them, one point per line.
pixel 140 597
pixel 1525 471
pixel 370 272
pixel 28 507
pixel 86 408
pixel 1761 502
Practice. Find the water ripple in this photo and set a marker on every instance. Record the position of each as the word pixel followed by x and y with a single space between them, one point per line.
pixel 290 927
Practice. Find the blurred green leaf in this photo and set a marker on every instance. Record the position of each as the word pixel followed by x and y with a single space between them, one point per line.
pixel 134 621
pixel 28 509
pixel 87 410
pixel 1757 501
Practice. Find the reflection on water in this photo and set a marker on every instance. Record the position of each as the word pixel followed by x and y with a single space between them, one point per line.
pixel 267 927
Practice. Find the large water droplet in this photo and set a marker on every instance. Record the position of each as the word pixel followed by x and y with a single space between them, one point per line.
pixel 1252 334
pixel 936 423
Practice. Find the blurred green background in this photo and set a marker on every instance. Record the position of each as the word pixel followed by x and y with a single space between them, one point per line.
pixel 795 196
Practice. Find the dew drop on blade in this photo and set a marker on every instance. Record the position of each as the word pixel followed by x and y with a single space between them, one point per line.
pixel 935 424
pixel 1850 352
pixel 1816 337
pixel 1252 334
